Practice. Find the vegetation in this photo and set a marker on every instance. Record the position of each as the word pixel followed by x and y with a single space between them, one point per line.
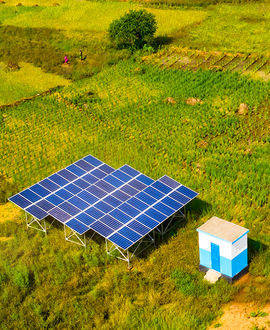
pixel 133 30
pixel 129 111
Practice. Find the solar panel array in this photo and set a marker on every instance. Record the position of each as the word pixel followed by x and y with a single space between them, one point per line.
pixel 122 205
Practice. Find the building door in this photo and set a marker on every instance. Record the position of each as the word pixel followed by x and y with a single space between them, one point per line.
pixel 215 257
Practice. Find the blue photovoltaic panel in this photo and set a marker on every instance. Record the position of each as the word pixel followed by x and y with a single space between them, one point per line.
pixel 120 195
pixel 129 170
pixel 146 198
pixel 48 184
pixel 98 173
pixel 76 201
pixel 85 218
pixel 107 169
pixel 147 221
pixel 121 241
pixel 145 179
pixel 63 193
pixel 73 189
pixel 164 209
pixel 58 180
pixel 129 190
pixel 81 183
pixel 105 186
pixel 92 160
pixel 172 203
pixel 129 234
pixel 84 165
pixel 37 212
pixel 154 214
pixel 31 196
pixel 129 209
pixel 20 201
pixel 179 197
pixel 67 175
pixel 161 187
pixel 137 184
pixel 87 197
pixel 104 207
pixel 69 208
pixel 96 191
pixel 45 205
pixel 121 216
pixel 121 176
pixel 112 201
pixel 111 222
pixel 90 178
pixel 59 214
pixel 76 170
pixel 138 227
pixel 187 192
pixel 169 182
pixel 95 213
pixel 55 200
pixel 38 189
pixel 154 192
pixel 137 203
pixel 102 229
pixel 77 226
pixel 113 181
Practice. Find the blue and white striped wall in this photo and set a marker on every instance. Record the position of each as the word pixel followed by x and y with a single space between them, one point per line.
pixel 233 256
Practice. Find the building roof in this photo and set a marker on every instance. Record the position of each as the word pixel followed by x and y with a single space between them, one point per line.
pixel 223 229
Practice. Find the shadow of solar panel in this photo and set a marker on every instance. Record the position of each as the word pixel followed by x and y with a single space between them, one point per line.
pixel 55 200
pixel 137 184
pixel 63 194
pixel 154 214
pixel 113 181
pixel 67 175
pixel 162 187
pixel 111 222
pixel 146 198
pixel 94 213
pixel 121 241
pixel 129 234
pixel 102 229
pixel 20 201
pixel 121 176
pixel 77 226
pixel 147 221
pixel 30 195
pixel 187 192
pixel 85 218
pixel 169 182
pixel 92 160
pixel 105 186
pixel 179 197
pixel 76 201
pixel 129 190
pixel 129 170
pixel 87 197
pixel 145 179
pixel 37 212
pixel 73 189
pixel 69 208
pixel 48 184
pixel 38 189
pixel 129 209
pixel 106 168
pixel 59 214
pixel 164 209
pixel 172 203
pixel 45 205
pixel 104 207
pixel 84 165
pixel 76 170
pixel 139 228
pixel 154 192
pixel 112 201
pixel 120 195
pixel 137 203
pixel 58 180
pixel 96 191
pixel 81 183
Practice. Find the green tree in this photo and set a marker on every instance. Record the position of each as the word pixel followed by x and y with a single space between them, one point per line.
pixel 133 30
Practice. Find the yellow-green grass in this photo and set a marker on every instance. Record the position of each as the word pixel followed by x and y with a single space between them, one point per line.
pixel 92 16
pixel 237 28
pixel 25 82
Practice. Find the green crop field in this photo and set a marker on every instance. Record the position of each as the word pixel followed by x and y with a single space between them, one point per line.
pixel 174 109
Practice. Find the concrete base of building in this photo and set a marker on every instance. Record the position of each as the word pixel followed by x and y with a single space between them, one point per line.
pixel 227 278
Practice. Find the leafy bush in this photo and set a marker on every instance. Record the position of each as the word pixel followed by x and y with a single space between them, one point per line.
pixel 6 189
pixel 20 277
pixel 133 30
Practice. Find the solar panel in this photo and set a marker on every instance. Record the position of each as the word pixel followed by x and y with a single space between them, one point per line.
pixel 122 205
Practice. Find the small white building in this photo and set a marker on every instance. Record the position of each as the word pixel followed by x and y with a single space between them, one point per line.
pixel 223 247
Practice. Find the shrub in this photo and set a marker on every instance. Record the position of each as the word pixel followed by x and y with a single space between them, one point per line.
pixel 7 189
pixel 133 30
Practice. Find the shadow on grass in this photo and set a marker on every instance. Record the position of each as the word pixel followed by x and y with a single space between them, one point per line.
pixel 254 248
